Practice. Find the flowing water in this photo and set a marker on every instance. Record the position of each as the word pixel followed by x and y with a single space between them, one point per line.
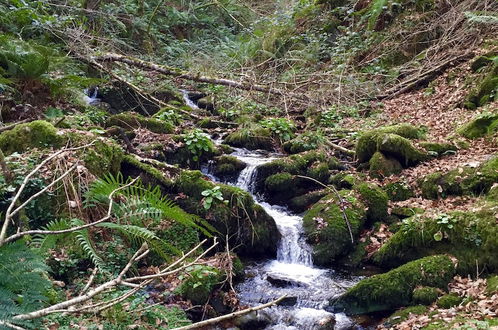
pixel 90 96
pixel 308 288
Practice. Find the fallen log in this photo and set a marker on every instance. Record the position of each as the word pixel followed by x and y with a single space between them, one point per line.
pixel 175 72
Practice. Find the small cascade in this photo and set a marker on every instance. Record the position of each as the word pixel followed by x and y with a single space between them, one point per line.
pixel 91 94
pixel 191 104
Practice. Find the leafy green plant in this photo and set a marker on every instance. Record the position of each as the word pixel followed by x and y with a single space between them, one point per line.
pixel 197 143
pixel 446 224
pixel 168 115
pixel 210 196
pixel 21 61
pixel 283 128
pixel 23 284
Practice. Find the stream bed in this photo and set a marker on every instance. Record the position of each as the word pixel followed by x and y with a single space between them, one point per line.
pixel 308 288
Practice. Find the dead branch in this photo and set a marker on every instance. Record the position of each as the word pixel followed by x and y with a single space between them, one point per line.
pixel 230 316
pixel 175 72
pixel 11 126
pixel 339 148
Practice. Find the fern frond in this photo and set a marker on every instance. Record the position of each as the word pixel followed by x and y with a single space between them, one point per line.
pixel 45 242
pixel 482 17
pixel 86 244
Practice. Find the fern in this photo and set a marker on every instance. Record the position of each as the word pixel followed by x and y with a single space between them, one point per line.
pixel 482 17
pixel 20 60
pixel 23 282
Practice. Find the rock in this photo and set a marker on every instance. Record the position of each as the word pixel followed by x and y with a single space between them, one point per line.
pixel 249 227
pixel 381 166
pixel 401 149
pixel 403 314
pixel 251 138
pixel 449 300
pixel 131 120
pixel 467 180
pixel 394 289
pixel 480 126
pixel 485 91
pixel 301 203
pixel 398 191
pixel 253 321
pixel 439 148
pixel 375 200
pixel 472 237
pixel 288 302
pixel 425 295
pixel 227 168
pixel 199 284
pixel 36 134
pixel 326 229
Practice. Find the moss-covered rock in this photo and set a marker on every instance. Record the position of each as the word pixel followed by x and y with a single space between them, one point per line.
pixel 486 90
pixel 251 138
pixel 449 300
pixel 375 199
pixel 199 283
pixel 403 314
pixel 439 148
pixel 303 202
pixel 398 191
pixel 394 289
pixel 249 227
pixel 492 284
pixel 480 126
pixel 37 134
pixel 344 180
pixel 280 182
pixel 368 142
pixel 227 168
pixel 327 230
pixel 470 236
pixel 310 164
pixel 425 295
pixel 131 120
pixel 381 166
pixel 462 181
pixel 401 149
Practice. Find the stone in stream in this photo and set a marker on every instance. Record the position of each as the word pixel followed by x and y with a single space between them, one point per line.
pixel 283 282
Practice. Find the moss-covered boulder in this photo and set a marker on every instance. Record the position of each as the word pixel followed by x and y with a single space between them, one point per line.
pixel 425 295
pixel 249 227
pixel 375 199
pixel 449 300
pixel 367 144
pixel 344 180
pixel 403 314
pixel 251 138
pixel 466 180
pixel 394 289
pixel 326 228
pixel 439 149
pixel 179 153
pixel 227 168
pixel 401 149
pixel 198 283
pixel 37 134
pixel 486 90
pixel 398 191
pixel 480 126
pixel 382 166
pixel 131 120
pixel 303 202
pixel 282 179
pixel 470 236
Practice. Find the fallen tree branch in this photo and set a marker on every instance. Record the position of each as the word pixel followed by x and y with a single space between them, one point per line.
pixel 339 148
pixel 186 75
pixel 230 316
pixel 424 77
pixel 11 126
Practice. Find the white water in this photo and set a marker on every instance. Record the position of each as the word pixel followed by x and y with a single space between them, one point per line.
pixel 91 99
pixel 191 104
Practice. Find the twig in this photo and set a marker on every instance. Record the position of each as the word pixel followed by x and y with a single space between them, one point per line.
pixel 341 203
pixel 231 315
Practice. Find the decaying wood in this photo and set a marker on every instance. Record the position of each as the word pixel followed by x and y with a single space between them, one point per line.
pixel 230 316
pixel 423 78
pixel 169 71
pixel 339 148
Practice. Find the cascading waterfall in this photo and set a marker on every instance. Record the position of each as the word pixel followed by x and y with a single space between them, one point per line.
pixel 308 289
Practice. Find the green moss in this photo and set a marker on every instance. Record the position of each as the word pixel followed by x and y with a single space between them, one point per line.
pixel 406 212
pixel 486 91
pixel 327 230
pixel 439 148
pixel 343 180
pixel 279 182
pixel 398 191
pixel 462 181
pixel 251 138
pixel 482 61
pixel 449 300
pixel 492 284
pixel 227 167
pixel 247 225
pixel 318 171
pixel 472 239
pixel 382 166
pixel 403 314
pixel 392 141
pixel 425 295
pixel 148 174
pixel 131 120
pixel 199 283
pixel 480 126
pixel 37 134
pixel 394 289
pixel 301 203
pixel 375 200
